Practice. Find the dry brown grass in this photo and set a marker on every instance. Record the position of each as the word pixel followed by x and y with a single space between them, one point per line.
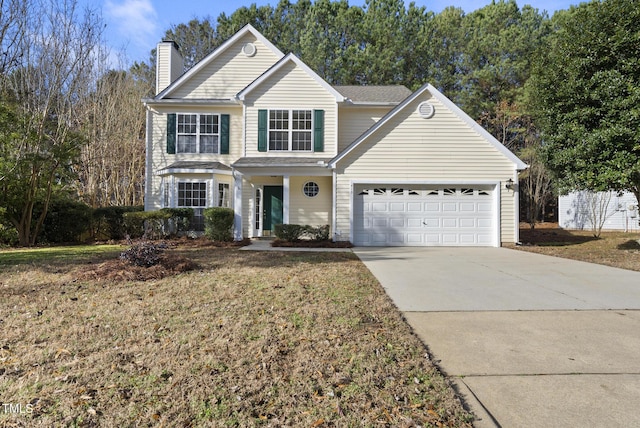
pixel 249 339
pixel 617 249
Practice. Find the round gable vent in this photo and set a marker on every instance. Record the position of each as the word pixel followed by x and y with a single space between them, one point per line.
pixel 426 110
pixel 249 49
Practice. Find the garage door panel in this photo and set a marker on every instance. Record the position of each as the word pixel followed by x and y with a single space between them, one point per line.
pixel 467 222
pixel 423 216
pixel 414 223
pixel 397 223
pixel 449 222
pixel 467 206
pixel 379 207
pixel 380 222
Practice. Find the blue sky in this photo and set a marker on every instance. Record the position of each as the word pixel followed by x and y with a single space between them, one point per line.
pixel 136 26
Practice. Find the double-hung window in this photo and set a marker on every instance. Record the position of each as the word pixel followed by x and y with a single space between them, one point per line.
pixel 197 133
pixel 290 130
pixel 193 195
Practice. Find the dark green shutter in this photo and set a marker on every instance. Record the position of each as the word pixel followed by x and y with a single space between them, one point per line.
pixel 318 130
pixel 171 134
pixel 262 130
pixel 224 134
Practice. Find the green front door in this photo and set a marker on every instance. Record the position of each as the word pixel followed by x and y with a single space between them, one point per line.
pixel 272 207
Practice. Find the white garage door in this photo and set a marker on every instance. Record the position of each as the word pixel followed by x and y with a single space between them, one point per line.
pixel 424 216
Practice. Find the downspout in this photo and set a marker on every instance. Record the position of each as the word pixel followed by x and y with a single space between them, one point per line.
pixel 148 162
pixel 334 200
pixel 516 206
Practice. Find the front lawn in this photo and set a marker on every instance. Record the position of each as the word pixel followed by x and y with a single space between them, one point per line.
pixel 247 339
pixel 617 249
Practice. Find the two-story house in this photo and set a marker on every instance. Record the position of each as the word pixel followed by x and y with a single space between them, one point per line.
pixel 251 128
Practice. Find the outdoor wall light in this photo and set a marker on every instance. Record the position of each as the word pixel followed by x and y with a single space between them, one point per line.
pixel 510 185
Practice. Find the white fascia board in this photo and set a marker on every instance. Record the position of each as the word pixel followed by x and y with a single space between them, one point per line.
pixel 277 66
pixel 216 53
pixel 171 171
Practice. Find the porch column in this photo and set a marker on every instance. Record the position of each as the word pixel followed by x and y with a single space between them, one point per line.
pixel 237 205
pixel 285 199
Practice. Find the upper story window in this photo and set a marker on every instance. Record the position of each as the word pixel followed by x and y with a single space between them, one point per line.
pixel 290 130
pixel 197 133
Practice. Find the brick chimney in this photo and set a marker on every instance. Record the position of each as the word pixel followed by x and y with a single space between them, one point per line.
pixel 169 64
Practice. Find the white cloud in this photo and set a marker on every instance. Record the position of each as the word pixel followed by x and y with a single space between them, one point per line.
pixel 134 21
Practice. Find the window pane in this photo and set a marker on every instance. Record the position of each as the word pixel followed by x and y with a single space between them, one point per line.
pixel 208 144
pixel 187 123
pixel 278 140
pixel 208 124
pixel 301 119
pixel 186 144
pixel 301 140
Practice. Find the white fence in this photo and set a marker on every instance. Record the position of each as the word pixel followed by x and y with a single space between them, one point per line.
pixel 579 210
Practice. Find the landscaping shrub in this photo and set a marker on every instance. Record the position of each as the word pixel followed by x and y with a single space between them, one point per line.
pixel 144 254
pixel 108 222
pixel 66 221
pixel 289 232
pixel 296 232
pixel 179 220
pixel 320 233
pixel 147 224
pixel 218 223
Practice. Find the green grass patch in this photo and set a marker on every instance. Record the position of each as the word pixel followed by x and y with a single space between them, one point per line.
pixel 66 254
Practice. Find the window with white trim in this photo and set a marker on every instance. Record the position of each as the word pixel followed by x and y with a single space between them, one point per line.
pixel 311 189
pixel 193 194
pixel 198 133
pixel 224 199
pixel 290 130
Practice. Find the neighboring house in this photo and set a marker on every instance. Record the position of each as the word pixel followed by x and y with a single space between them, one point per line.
pixel 258 131
pixel 580 210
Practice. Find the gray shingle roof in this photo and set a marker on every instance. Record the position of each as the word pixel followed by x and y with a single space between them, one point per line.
pixel 374 94
pixel 197 165
pixel 278 162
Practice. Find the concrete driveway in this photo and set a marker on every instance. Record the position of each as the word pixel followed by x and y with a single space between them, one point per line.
pixel 528 340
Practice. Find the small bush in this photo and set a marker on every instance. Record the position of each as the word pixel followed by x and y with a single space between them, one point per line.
pixel 296 232
pixel 180 219
pixel 144 254
pixel 108 222
pixel 147 224
pixel 218 223
pixel 289 232
pixel 320 233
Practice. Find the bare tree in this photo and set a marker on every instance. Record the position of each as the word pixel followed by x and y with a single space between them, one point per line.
pixel 45 88
pixel 111 169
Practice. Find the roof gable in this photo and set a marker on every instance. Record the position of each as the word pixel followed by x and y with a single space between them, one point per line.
pixel 278 66
pixel 448 104
pixel 217 53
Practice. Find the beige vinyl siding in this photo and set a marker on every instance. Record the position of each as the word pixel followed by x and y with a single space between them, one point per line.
pixel 163 66
pixel 354 120
pixel 160 159
pixel 305 210
pixel 229 73
pixel 291 88
pixel 441 149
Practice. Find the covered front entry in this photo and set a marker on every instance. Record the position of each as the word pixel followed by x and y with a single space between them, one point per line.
pixel 422 215
pixel 272 212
